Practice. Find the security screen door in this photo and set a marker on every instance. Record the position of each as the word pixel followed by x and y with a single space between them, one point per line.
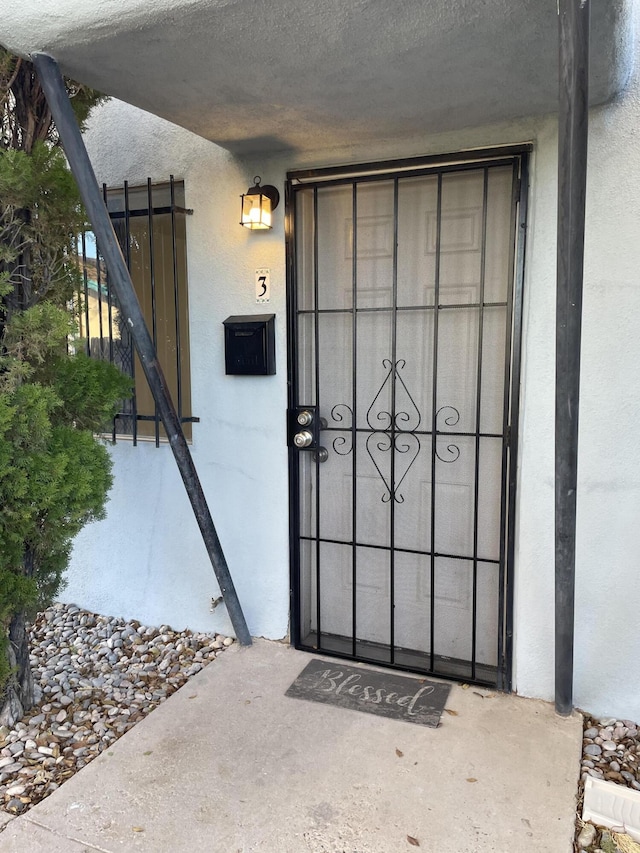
pixel 401 320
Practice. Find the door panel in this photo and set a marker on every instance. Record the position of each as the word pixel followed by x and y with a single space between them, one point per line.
pixel 401 314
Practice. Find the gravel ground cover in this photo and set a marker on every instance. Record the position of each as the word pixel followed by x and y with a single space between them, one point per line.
pixel 610 751
pixel 95 677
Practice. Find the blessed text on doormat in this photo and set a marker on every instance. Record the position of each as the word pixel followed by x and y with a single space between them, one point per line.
pixel 400 697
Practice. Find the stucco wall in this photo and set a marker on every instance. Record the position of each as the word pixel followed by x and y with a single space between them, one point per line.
pixel 147 559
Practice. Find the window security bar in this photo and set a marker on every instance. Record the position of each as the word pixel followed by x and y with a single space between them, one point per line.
pixel 150 223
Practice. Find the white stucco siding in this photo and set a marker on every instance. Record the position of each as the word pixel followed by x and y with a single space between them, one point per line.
pixel 534 547
pixel 608 543
pixel 607 640
pixel 147 560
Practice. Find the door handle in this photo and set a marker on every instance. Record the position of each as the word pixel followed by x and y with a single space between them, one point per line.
pixel 303 439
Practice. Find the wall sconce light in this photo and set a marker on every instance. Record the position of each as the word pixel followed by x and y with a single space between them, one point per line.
pixel 258 203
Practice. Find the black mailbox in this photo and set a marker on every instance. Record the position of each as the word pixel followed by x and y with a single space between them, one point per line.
pixel 250 345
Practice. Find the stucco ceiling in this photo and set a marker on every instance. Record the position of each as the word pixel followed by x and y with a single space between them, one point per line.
pixel 256 75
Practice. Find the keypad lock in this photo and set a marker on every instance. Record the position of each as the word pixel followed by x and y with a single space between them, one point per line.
pixel 305 424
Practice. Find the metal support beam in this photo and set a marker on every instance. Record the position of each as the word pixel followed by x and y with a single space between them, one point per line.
pixel 120 280
pixel 572 178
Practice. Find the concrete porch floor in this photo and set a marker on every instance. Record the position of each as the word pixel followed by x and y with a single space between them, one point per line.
pixel 228 764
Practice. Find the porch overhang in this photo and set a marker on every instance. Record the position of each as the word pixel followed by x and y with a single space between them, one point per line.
pixel 298 76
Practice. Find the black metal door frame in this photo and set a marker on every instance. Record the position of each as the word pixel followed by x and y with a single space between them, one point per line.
pixel 517 157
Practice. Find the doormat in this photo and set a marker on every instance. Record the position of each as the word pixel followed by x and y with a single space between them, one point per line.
pixel 414 700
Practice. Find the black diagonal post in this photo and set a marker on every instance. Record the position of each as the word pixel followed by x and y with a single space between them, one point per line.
pixel 120 280
pixel 572 179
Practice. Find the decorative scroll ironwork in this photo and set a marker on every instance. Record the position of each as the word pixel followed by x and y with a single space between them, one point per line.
pixel 342 445
pixel 402 418
pixel 394 431
pixel 401 442
pixel 450 420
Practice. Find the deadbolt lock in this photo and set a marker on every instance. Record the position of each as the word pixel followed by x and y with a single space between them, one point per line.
pixel 305 417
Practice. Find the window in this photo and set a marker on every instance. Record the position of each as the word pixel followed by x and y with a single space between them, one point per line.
pixel 150 223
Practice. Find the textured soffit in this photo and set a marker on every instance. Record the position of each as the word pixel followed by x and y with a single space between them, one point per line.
pixel 260 75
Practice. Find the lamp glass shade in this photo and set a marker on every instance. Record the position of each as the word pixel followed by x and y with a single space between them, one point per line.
pixel 256 210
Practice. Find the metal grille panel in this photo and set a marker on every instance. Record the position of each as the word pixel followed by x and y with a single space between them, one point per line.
pixel 401 320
